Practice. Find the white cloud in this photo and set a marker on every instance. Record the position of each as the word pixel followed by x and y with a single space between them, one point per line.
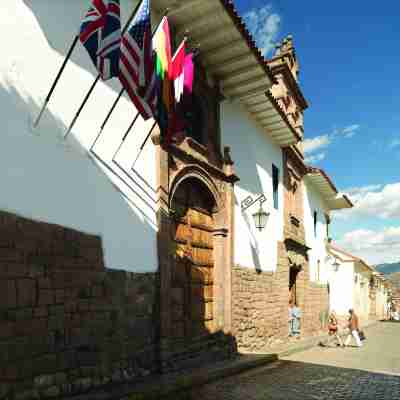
pixel 373 201
pixel 375 247
pixel 311 145
pixel 264 25
pixel 350 131
pixel 317 143
pixel 313 159
pixel 355 193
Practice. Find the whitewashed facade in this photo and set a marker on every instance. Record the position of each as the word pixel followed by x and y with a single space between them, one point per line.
pixel 47 178
pixel 254 154
pixel 315 223
pixel 350 284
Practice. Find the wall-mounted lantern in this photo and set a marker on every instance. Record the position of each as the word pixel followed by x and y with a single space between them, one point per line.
pixel 260 217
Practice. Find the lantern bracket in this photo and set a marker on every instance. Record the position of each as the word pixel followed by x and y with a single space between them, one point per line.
pixel 248 202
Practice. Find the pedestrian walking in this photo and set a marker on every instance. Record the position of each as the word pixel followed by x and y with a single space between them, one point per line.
pixel 353 327
pixel 333 329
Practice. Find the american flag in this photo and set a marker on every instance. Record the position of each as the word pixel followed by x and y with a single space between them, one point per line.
pixel 136 63
pixel 101 35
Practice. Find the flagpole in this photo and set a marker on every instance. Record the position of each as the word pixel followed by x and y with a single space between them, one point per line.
pixel 53 86
pixel 98 75
pixel 120 94
pixel 151 130
pixel 107 117
pixel 143 144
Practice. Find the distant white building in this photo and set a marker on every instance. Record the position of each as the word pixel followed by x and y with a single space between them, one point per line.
pixel 350 285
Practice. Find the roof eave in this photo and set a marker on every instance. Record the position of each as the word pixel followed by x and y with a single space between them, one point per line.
pixel 335 200
pixel 237 20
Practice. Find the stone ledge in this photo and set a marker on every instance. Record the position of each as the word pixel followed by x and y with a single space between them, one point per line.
pixel 171 384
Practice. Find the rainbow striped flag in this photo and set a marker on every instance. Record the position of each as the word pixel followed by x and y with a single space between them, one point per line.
pixel 164 79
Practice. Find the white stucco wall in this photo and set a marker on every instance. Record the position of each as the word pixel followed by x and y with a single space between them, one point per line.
pixel 46 178
pixel 341 287
pixel 362 300
pixel 314 202
pixel 381 300
pixel 253 153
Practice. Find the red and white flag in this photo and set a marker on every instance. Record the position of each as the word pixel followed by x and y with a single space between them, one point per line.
pixel 178 76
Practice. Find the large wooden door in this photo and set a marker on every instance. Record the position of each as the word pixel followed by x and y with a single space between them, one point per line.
pixel 193 267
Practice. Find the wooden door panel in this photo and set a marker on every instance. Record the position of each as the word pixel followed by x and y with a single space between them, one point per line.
pixel 200 219
pixel 201 238
pixel 182 232
pixel 192 272
pixel 179 274
pixel 181 252
pixel 202 293
pixel 202 311
pixel 202 275
pixel 202 257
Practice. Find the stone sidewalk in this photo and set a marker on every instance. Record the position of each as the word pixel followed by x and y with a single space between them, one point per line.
pixel 371 372
pixel 156 387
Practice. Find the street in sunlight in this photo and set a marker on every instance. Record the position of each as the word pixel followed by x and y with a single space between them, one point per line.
pixel 371 372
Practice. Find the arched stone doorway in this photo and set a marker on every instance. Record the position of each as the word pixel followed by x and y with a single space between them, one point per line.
pixel 195 216
pixel 193 275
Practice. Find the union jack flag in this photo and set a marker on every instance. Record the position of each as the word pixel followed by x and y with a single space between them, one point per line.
pixel 136 63
pixel 101 35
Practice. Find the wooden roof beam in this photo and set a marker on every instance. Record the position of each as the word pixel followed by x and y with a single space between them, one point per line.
pixel 277 130
pixel 222 47
pixel 186 5
pixel 262 110
pixel 259 103
pixel 212 35
pixel 198 22
pixel 249 93
pixel 222 64
pixel 273 123
pixel 243 83
pixel 243 70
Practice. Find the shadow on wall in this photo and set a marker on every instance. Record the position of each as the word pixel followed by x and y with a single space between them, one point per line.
pixel 61 312
pixel 64 187
pixel 60 21
pixel 255 250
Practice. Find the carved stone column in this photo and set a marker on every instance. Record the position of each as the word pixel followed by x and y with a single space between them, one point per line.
pixel 220 236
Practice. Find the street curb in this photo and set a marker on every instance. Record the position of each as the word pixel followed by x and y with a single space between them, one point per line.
pixel 199 378
pixel 162 386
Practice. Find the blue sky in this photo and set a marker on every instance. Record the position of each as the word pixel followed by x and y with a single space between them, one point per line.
pixel 349 54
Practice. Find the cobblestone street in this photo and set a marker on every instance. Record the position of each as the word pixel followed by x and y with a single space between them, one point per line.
pixel 372 372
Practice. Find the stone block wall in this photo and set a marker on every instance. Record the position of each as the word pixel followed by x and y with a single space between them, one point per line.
pixel 67 324
pixel 316 309
pixel 260 305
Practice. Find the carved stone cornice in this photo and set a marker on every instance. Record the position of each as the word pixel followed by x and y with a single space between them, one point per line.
pixel 190 154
